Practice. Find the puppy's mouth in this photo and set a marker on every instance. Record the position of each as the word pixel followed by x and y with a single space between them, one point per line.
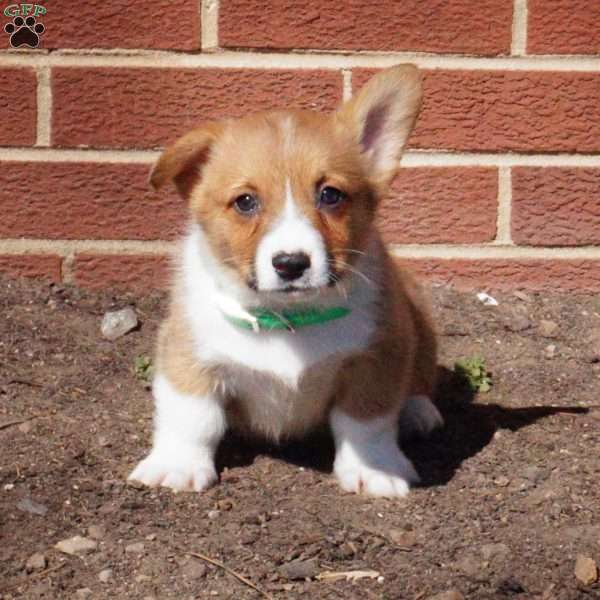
pixel 293 289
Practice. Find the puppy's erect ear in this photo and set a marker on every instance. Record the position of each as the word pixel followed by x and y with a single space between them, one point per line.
pixel 382 116
pixel 182 162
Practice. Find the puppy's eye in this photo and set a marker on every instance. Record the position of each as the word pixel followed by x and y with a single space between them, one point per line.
pixel 331 197
pixel 246 204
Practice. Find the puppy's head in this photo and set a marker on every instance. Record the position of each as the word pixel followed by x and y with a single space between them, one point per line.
pixel 286 199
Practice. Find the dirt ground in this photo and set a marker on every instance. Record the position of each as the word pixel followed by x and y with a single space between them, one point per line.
pixel 510 495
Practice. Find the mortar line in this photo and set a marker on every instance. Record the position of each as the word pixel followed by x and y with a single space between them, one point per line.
pixel 66 248
pixel 44 106
pixel 209 14
pixel 518 45
pixel 67 268
pixel 413 158
pixel 230 59
pixel 438 251
pixel 494 251
pixel 503 233
pixel 347 84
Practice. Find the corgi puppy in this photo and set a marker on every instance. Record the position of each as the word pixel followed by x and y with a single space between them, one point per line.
pixel 287 310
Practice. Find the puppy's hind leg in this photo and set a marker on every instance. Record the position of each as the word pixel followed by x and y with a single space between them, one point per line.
pixel 419 417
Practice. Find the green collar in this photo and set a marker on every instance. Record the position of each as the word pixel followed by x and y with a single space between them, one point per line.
pixel 262 319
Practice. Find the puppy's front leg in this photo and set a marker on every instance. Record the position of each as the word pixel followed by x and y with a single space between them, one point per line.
pixel 367 458
pixel 187 430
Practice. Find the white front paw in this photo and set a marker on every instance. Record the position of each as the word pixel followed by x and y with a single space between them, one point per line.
pixel 391 478
pixel 182 469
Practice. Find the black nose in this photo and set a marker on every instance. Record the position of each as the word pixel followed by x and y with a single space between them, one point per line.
pixel 291 266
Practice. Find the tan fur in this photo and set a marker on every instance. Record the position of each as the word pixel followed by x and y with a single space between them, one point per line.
pixel 257 154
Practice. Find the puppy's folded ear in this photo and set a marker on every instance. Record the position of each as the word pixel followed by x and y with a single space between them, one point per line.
pixel 382 116
pixel 183 161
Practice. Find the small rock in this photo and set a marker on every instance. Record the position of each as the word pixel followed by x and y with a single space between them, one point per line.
pixel 117 323
pixel 136 548
pixel 225 504
pixel 96 532
pixel 105 575
pixel 469 565
pixel 249 536
pixel 448 595
pixel 151 537
pixel 143 578
pixel 194 569
pixel 586 570
pixel 517 322
pixel 31 506
pixel 36 562
pixel 550 351
pixel 502 481
pixel 491 551
pixel 77 545
pixel 487 299
pixel 548 329
pixel 403 538
pixel 300 569
pixel 522 296
pixel 533 473
pixel 83 593
pixel 213 514
pixel 457 329
pixel 25 427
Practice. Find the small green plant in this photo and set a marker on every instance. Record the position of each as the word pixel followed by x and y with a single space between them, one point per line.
pixel 144 369
pixel 474 371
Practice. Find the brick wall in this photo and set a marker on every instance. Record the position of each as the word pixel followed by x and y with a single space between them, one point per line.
pixel 501 186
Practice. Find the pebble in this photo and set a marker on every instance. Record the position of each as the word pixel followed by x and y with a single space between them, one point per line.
pixel 36 562
pixel 117 323
pixel 31 506
pixel 194 569
pixel 96 532
pixel 25 427
pixel 586 570
pixel 83 593
pixel 213 514
pixel 516 323
pixel 448 595
pixel 491 551
pixel 105 575
pixel 522 296
pixel 77 545
pixel 403 538
pixel 550 351
pixel 136 548
pixel 470 566
pixel 300 569
pixel 548 329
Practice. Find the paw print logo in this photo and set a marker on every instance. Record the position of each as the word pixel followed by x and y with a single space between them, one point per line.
pixel 24 32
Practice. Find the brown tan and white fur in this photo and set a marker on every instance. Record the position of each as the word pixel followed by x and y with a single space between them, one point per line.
pixel 365 373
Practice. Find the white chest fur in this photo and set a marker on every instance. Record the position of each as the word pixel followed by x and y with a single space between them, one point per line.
pixel 284 379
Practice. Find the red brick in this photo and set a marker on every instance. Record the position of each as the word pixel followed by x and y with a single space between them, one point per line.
pixel 563 27
pixel 457 26
pixel 113 107
pixel 504 111
pixel 531 274
pixel 160 24
pixel 142 273
pixel 556 206
pixel 18 107
pixel 31 265
pixel 86 201
pixel 441 205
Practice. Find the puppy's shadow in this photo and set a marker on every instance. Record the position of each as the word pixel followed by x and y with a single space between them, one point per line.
pixel 469 427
